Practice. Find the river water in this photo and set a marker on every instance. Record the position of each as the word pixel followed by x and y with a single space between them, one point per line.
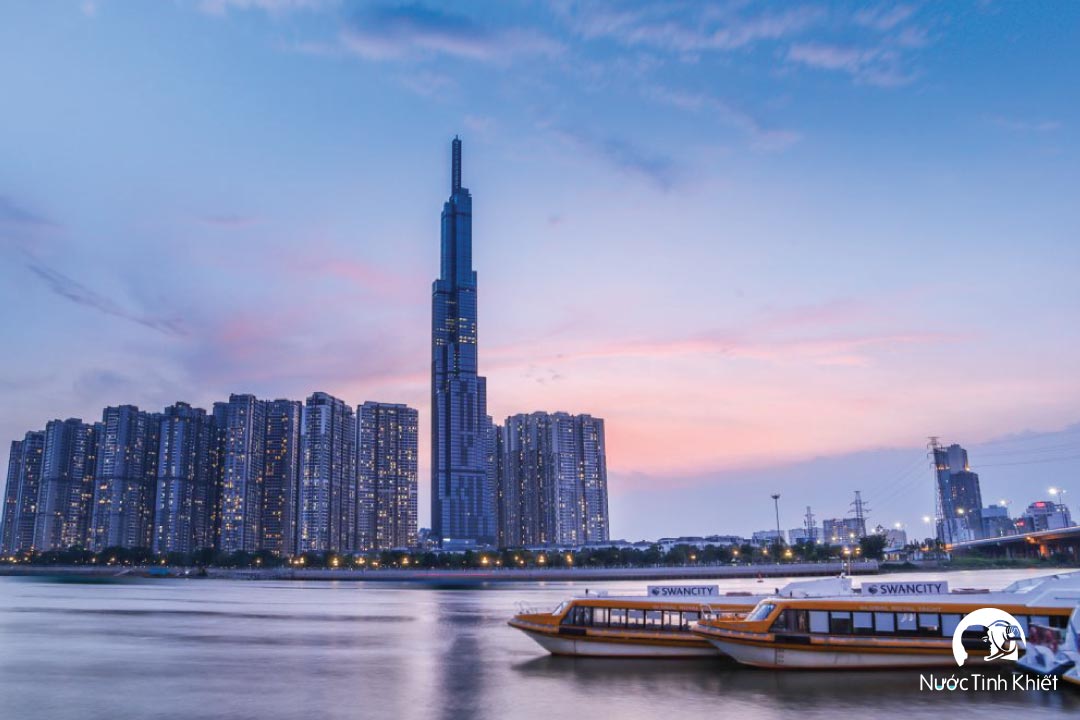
pixel 281 650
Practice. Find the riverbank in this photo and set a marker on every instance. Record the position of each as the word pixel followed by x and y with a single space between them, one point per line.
pixel 452 577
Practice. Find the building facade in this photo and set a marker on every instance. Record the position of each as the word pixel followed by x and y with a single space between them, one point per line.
pixel 328 488
pixel 387 476
pixel 281 481
pixel 959 495
pixel 462 493
pixel 124 480
pixel 552 481
pixel 185 478
pixel 242 474
pixel 66 491
pixel 21 493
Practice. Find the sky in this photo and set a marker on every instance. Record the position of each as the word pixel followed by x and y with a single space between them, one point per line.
pixel 776 246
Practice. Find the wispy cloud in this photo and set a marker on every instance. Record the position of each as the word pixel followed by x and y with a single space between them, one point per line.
pixel 414 31
pixel 883 17
pixel 274 7
pixel 79 294
pixel 880 66
pixel 672 28
pixel 662 170
pixel 11 213
pixel 761 137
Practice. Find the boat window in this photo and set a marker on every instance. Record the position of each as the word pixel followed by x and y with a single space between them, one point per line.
pixel 761 612
pixel 1059 621
pixel 578 615
pixel 559 610
pixel 819 621
pixel 1024 621
pixel 884 622
pixel 600 616
pixel 929 624
pixel 840 623
pixel 690 617
pixel 652 619
pixel 617 617
pixel 1043 620
pixel 905 622
pixel 948 624
pixel 863 622
pixel 635 618
pixel 791 621
pixel 672 620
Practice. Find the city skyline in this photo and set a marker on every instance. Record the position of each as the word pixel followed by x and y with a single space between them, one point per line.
pixel 867 214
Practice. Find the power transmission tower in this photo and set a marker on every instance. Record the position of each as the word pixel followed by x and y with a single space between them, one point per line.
pixel 810 525
pixel 861 509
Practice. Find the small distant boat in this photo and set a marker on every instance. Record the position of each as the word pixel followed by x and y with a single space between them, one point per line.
pixel 882 631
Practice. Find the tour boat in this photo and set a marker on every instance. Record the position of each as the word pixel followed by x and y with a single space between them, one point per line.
pixel 905 626
pixel 655 625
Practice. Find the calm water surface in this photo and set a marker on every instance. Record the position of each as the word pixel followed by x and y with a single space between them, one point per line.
pixel 269 650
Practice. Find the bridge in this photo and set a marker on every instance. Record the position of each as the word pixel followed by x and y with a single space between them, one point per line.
pixel 1041 544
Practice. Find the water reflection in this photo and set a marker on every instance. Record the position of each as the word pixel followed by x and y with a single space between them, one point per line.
pixel 219 649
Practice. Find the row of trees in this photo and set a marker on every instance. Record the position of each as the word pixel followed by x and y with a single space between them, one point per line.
pixel 681 555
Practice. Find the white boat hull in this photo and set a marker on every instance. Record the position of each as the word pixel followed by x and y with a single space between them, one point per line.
pixel 773 657
pixel 596 647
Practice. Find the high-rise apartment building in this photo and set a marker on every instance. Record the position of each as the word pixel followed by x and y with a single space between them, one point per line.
pixel 387 472
pixel 328 488
pixel 552 480
pixel 125 479
pixel 66 491
pixel 243 465
pixel 281 476
pixel 184 497
pixel 21 494
pixel 462 494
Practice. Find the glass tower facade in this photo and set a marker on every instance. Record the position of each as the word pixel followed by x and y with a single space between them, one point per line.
pixel 462 481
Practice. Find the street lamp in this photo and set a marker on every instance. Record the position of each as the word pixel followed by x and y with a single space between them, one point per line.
pixel 776 506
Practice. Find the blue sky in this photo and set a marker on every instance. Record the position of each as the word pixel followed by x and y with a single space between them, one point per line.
pixel 772 244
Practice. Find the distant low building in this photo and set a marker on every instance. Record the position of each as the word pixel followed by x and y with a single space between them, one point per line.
pixel 1044 515
pixel 842 531
pixel 803 535
pixel 766 537
pixel 666 544
pixel 996 522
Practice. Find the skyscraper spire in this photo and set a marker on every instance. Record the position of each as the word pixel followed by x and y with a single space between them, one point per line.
pixel 455 168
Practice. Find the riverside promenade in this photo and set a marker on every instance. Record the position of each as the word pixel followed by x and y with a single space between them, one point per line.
pixel 450 578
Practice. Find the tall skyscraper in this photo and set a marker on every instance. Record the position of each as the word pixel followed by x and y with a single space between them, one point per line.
pixel 243 466
pixel 124 480
pixel 182 513
pixel 62 497
pixel 328 487
pixel 462 494
pixel 959 496
pixel 21 495
pixel 552 484
pixel 281 480
pixel 387 471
